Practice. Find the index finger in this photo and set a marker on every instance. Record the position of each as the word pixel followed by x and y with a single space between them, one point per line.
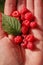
pixel 10 5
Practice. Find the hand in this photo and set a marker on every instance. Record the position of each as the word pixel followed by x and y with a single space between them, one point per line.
pixel 15 54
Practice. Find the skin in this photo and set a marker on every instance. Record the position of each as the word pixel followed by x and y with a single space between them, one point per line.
pixel 15 55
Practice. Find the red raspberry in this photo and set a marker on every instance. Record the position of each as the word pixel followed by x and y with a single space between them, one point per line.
pixel 24 36
pixel 30 38
pixel 15 14
pixel 30 45
pixel 26 23
pixel 22 17
pixel 29 16
pixel 18 39
pixel 24 44
pixel 24 10
pixel 24 40
pixel 24 29
pixel 33 24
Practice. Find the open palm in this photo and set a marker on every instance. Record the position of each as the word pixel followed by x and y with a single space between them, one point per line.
pixel 15 55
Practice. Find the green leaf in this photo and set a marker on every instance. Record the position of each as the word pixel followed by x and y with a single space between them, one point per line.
pixel 11 25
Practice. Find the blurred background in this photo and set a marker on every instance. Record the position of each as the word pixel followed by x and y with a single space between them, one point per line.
pixel 2 5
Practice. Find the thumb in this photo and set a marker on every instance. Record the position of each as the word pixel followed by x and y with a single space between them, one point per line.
pixel 9 53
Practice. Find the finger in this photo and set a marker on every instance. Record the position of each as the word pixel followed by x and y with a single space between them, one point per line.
pixel 30 5
pixel 9 51
pixel 21 4
pixel 38 11
pixel 10 5
pixel 38 32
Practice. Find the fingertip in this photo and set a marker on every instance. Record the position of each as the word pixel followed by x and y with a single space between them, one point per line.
pixel 21 4
pixel 10 5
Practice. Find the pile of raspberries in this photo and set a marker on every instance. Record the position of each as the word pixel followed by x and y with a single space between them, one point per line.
pixel 26 39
